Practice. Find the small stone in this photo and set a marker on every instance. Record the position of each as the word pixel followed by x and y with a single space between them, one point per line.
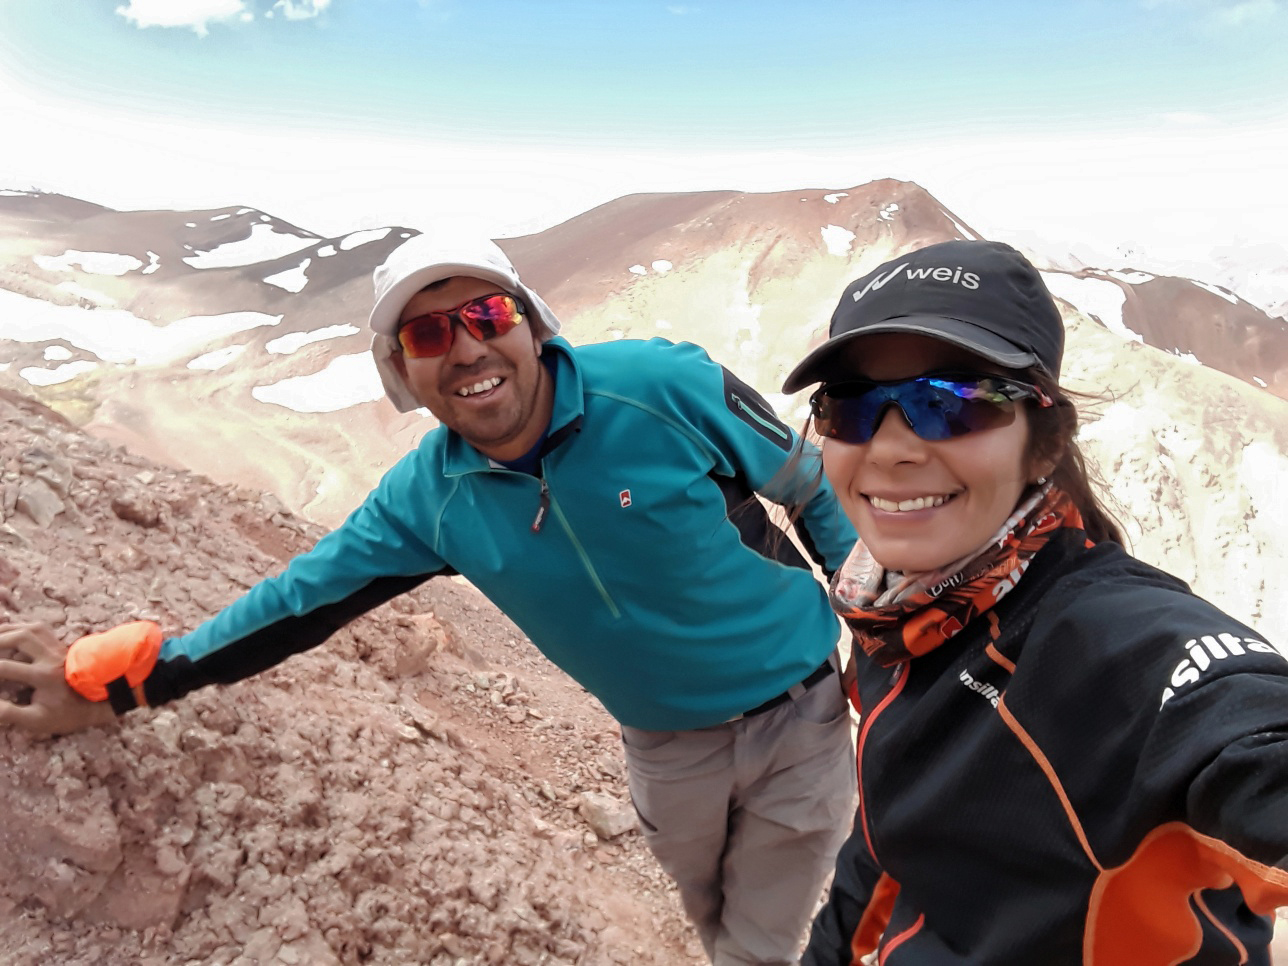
pixel 606 815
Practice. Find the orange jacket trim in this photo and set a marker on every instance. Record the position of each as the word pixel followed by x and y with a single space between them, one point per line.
pixel 876 917
pixel 1140 910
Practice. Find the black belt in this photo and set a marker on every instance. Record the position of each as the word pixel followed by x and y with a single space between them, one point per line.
pixel 818 674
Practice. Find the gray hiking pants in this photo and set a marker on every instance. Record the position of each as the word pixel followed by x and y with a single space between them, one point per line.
pixel 747 817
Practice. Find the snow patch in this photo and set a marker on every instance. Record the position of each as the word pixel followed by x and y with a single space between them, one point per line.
pixel 286 344
pixel 1189 357
pixel 662 265
pixel 220 217
pixel 837 239
pixel 92 296
pixel 1263 471
pixel 1217 290
pixel 638 270
pixel 217 359
pixel 1132 278
pixel 57 352
pixel 351 241
pixel 326 251
pixel 965 232
pixel 1259 381
pixel 837 196
pixel 346 381
pixel 293 279
pixel 154 262
pixel 95 263
pixel 1093 296
pixel 264 244
pixel 115 335
pixel 36 376
pixel 887 213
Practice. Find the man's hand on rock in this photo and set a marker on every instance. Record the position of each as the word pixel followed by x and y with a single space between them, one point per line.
pixel 55 708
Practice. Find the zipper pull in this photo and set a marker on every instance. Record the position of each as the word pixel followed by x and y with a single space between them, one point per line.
pixel 540 518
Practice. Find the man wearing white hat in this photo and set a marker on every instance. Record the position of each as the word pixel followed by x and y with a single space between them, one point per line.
pixel 604 498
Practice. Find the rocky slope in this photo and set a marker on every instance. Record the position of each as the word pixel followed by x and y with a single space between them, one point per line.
pixel 424 788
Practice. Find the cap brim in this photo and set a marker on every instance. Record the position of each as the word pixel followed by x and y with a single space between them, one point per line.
pixel 816 366
pixel 388 308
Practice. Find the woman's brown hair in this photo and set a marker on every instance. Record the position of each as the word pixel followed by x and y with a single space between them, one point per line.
pixel 1053 440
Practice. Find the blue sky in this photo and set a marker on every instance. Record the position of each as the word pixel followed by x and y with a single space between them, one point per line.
pixel 344 114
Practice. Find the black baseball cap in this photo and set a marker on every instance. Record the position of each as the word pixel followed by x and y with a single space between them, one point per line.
pixel 981 295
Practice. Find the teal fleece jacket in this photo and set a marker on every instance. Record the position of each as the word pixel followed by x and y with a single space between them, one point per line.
pixel 639 561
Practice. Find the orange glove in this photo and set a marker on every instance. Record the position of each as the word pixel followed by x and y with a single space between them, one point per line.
pixel 129 651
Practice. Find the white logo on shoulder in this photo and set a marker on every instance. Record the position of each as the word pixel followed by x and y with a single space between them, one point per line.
pixel 941 274
pixel 1208 650
pixel 983 688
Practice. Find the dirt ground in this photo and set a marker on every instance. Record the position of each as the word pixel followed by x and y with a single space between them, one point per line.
pixel 421 789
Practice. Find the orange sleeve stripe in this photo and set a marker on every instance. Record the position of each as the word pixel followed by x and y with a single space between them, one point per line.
pixel 129 651
pixel 1047 769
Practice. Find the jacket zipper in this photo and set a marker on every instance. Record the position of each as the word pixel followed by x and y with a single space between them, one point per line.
pixel 543 507
pixel 776 430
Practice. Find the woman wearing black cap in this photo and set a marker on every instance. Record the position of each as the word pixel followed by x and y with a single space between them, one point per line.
pixel 1064 755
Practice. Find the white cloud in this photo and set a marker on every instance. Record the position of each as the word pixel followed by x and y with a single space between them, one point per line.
pixel 1224 13
pixel 680 10
pixel 1187 118
pixel 1249 11
pixel 301 9
pixel 196 14
pixel 1164 188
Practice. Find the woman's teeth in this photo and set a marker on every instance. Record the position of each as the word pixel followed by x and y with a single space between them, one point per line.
pixel 483 386
pixel 902 506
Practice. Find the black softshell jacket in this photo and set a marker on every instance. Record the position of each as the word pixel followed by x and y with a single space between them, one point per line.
pixel 1096 773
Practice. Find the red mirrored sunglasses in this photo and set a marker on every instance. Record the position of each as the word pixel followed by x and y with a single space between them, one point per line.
pixel 485 318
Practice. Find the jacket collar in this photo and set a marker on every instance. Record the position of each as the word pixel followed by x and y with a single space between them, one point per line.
pixel 459 457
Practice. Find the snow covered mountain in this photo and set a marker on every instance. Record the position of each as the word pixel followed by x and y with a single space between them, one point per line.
pixel 233 343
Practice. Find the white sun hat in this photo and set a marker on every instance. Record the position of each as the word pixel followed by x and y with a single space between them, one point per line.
pixel 421 261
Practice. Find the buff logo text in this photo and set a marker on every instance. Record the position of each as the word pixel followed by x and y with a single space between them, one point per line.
pixel 1007 583
pixel 1207 650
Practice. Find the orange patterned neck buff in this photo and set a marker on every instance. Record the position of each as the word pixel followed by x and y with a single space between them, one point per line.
pixel 896 617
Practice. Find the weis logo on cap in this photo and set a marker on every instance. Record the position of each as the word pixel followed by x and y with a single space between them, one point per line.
pixel 968 280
